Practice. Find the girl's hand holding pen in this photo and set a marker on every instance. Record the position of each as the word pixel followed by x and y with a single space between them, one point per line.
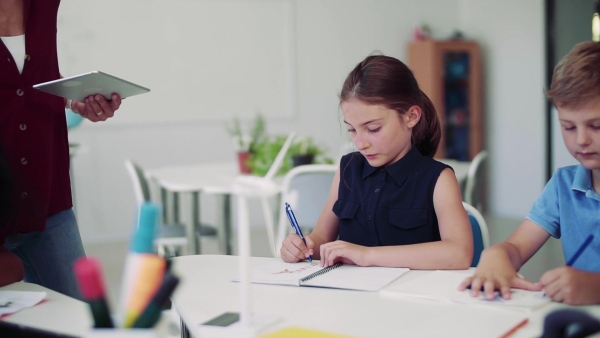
pixel 293 249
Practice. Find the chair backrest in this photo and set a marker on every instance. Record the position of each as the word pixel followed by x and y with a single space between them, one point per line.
pixel 481 237
pixel 306 189
pixel 475 180
pixel 139 181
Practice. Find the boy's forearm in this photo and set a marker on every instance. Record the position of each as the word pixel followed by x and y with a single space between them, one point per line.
pixel 506 250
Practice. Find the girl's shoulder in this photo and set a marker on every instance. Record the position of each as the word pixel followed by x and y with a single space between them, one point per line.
pixel 433 164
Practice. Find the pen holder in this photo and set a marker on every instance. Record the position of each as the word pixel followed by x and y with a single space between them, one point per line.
pixel 157 331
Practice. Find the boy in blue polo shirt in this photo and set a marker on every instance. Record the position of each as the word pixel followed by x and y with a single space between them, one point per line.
pixel 569 207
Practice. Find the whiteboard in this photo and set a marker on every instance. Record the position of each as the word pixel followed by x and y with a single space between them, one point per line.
pixel 202 59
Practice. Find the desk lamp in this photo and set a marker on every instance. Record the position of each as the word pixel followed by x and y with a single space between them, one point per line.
pixel 248 324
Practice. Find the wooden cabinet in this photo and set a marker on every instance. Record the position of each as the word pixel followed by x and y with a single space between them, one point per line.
pixel 449 72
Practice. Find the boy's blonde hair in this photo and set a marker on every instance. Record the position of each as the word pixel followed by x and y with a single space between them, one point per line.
pixel 576 78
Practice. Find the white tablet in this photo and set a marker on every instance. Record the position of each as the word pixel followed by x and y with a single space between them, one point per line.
pixel 80 86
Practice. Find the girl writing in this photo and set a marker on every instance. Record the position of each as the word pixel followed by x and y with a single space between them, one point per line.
pixel 390 203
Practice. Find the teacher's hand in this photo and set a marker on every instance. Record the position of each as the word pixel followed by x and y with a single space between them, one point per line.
pixel 95 107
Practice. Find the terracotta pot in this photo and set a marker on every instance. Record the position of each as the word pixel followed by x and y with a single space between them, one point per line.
pixel 242 161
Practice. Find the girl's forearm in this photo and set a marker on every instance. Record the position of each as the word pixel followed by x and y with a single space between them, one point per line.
pixel 443 255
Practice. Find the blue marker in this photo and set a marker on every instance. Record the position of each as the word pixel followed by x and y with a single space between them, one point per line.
pixel 581 249
pixel 294 223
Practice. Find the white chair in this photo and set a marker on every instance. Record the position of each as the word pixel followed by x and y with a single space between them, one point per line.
pixel 171 239
pixel 481 237
pixel 474 184
pixel 306 189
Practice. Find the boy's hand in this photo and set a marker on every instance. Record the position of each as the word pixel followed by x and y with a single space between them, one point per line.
pixel 496 273
pixel 293 249
pixel 341 251
pixel 572 286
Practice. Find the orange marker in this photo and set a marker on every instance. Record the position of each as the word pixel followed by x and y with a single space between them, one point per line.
pixel 147 281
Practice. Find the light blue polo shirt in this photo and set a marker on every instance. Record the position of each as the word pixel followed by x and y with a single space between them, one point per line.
pixel 569 209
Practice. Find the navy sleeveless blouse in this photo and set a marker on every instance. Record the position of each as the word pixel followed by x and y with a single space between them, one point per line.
pixel 390 205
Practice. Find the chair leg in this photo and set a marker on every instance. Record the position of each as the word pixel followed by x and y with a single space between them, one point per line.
pixel 182 250
pixel 269 223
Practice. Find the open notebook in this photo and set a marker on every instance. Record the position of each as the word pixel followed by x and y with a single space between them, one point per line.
pixel 442 285
pixel 338 276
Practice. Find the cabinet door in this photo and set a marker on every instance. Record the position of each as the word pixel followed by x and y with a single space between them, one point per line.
pixel 457 109
pixel 449 73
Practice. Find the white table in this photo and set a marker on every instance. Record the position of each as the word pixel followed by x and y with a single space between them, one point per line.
pixel 57 313
pixel 212 178
pixel 206 292
pixel 65 316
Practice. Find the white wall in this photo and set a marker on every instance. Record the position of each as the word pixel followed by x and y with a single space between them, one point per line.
pixel 512 37
pixel 331 37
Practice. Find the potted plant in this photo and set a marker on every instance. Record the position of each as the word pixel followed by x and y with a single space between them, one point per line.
pixel 305 151
pixel 246 142
pixel 265 152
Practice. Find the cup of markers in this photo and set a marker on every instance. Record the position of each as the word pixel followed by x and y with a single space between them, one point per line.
pixel 147 285
pixel 144 307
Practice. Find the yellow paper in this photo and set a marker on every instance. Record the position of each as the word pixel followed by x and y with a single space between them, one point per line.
pixel 298 332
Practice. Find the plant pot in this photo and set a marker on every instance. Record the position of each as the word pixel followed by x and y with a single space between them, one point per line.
pixel 302 159
pixel 242 162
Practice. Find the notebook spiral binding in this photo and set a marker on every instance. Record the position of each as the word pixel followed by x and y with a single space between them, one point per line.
pixel 320 272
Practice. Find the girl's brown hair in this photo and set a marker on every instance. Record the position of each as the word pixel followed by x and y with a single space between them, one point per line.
pixel 386 81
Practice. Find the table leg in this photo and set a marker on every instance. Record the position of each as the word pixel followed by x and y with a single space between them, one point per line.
pixel 226 200
pixel 196 223
pixel 185 333
pixel 176 207
pixel 163 200
pixel 171 213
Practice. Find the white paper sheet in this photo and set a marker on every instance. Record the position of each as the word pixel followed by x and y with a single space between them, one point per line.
pixel 13 301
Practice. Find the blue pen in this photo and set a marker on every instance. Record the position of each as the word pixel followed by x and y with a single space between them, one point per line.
pixel 581 249
pixel 294 223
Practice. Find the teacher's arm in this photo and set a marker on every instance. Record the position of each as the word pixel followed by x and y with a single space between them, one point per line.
pixel 11 267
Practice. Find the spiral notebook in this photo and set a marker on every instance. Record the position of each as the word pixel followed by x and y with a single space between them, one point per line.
pixel 337 276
